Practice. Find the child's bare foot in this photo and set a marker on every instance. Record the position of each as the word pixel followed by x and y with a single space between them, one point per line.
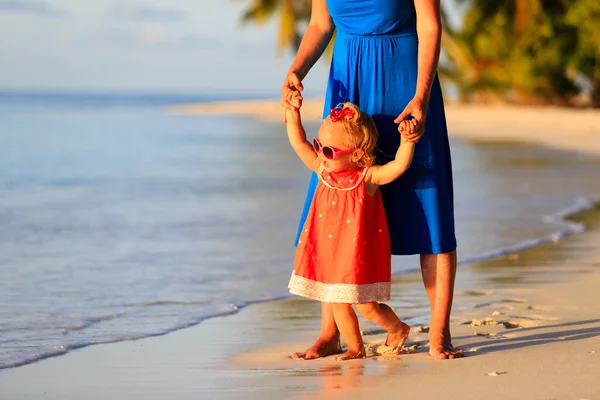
pixel 321 348
pixel 352 355
pixel 397 338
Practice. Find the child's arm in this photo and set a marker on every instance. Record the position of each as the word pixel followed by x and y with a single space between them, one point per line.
pixel 384 174
pixel 297 137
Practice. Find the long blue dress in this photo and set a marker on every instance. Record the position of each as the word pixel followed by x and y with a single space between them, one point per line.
pixel 374 65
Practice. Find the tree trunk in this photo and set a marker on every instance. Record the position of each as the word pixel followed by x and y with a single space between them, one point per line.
pixel 596 84
pixel 521 17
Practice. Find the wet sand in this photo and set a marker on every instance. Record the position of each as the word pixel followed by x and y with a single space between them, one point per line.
pixel 531 330
pixel 529 322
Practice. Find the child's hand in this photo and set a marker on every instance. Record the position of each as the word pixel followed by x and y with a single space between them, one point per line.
pixel 406 126
pixel 295 98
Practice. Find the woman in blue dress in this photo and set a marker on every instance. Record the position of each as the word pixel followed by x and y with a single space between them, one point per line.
pixel 385 60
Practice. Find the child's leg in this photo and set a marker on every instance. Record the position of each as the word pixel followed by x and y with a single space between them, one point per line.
pixel 384 316
pixel 328 342
pixel 347 323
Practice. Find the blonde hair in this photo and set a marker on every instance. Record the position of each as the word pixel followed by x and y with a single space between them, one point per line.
pixel 361 133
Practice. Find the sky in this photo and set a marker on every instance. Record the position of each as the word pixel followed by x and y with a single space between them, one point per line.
pixel 140 46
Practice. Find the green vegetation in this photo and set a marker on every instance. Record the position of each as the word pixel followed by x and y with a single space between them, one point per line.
pixel 519 51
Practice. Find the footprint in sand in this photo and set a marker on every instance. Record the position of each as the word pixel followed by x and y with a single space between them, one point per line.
pixel 513 325
pixel 491 322
pixel 477 322
pixel 383 350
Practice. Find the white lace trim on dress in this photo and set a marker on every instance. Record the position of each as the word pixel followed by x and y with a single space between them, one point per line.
pixel 339 292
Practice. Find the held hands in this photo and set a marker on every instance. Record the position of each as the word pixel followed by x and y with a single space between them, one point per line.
pixel 290 85
pixel 406 126
pixel 411 130
pixel 294 98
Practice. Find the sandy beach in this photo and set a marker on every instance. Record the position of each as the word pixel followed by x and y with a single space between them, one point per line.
pixel 536 342
pixel 562 128
pixel 529 321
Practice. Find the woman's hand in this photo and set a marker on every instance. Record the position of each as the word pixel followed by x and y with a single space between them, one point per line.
pixel 417 109
pixel 290 84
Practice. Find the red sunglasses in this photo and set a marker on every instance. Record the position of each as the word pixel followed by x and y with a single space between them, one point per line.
pixel 329 152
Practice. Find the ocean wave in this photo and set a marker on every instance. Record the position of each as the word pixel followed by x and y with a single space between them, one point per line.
pixel 558 218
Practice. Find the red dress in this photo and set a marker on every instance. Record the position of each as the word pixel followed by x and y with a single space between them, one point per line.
pixel 343 253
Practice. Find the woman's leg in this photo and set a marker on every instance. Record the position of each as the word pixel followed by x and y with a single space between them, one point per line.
pixel 328 342
pixel 385 317
pixel 439 272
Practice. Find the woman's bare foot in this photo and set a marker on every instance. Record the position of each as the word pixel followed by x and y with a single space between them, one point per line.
pixel 321 348
pixel 352 355
pixel 444 351
pixel 397 338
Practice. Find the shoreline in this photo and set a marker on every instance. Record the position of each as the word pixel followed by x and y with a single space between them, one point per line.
pixel 576 129
pixel 561 218
pixel 542 325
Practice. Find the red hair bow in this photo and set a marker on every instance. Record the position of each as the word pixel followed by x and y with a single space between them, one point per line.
pixel 335 113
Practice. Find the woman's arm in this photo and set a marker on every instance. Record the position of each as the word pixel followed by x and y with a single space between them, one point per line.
pixel 315 40
pixel 429 32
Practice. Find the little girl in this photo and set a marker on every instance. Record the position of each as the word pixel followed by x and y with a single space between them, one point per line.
pixel 344 255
